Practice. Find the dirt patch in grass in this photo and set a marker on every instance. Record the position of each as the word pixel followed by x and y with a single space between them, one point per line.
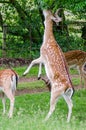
pixel 31 91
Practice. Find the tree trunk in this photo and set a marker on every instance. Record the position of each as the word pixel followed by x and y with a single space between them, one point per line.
pixel 4 41
pixel 1 21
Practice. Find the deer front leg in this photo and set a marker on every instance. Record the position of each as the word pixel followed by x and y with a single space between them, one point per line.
pixel 40 70
pixel 37 61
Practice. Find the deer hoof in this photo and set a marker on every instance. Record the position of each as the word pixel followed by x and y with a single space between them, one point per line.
pixel 39 78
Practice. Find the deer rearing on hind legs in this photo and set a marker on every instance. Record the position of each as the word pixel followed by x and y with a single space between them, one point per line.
pixel 8 83
pixel 52 57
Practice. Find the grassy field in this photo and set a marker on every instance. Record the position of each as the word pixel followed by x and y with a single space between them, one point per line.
pixel 31 109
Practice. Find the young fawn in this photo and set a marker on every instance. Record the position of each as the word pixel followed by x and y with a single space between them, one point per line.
pixel 8 83
pixel 52 57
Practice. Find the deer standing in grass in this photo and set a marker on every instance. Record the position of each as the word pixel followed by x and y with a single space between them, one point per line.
pixel 8 83
pixel 77 58
pixel 52 57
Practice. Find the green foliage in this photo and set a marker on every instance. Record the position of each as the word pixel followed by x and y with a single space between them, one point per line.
pixel 25 26
pixel 44 4
pixel 77 7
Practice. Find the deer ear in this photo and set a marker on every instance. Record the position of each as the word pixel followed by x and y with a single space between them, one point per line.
pixel 56 19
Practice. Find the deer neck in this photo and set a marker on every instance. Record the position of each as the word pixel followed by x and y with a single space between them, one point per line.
pixel 48 32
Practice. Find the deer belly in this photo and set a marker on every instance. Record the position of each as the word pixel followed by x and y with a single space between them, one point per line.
pixel 48 71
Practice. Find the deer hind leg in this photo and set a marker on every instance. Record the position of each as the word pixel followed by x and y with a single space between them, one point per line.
pixel 53 101
pixel 10 96
pixel 81 79
pixel 4 102
pixel 68 100
pixel 81 76
pixel 36 61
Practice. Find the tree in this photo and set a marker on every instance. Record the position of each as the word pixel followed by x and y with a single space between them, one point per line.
pixel 25 22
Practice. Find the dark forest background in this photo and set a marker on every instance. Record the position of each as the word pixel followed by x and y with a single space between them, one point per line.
pixel 22 28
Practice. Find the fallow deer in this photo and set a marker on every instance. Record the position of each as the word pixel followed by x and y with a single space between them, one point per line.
pixel 54 62
pixel 77 58
pixel 8 83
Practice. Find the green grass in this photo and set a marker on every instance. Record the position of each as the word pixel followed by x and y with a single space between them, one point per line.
pixel 76 81
pixel 31 85
pixel 31 109
pixel 33 72
pixel 20 70
pixel 73 71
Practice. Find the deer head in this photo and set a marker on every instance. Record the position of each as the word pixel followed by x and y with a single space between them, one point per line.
pixel 49 15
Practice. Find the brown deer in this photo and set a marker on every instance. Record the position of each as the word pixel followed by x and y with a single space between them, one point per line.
pixel 8 83
pixel 77 58
pixel 52 57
